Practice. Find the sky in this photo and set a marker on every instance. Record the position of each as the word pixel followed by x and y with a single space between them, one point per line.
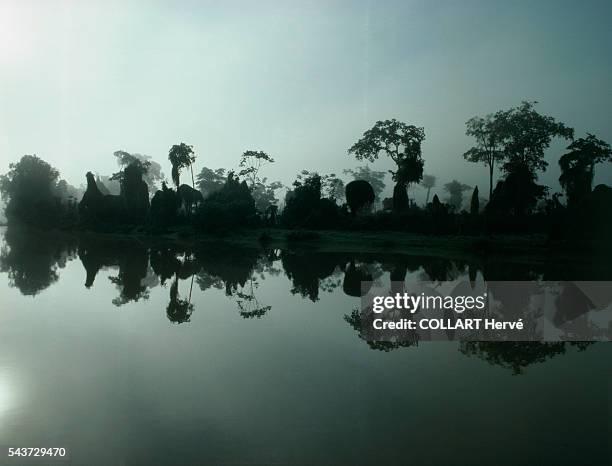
pixel 301 80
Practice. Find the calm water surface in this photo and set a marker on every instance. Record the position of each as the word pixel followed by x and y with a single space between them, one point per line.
pixel 126 353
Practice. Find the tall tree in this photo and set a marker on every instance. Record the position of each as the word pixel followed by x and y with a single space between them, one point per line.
pixel 578 166
pixel 525 135
pixel 28 188
pixel 401 143
pixel 181 156
pixel 428 182
pixel 375 178
pixel 210 180
pixel 332 187
pixel 455 191
pixel 475 202
pixel 251 162
pixel 488 148
pixel 151 170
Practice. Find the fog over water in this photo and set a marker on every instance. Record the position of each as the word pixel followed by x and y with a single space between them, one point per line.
pixel 300 80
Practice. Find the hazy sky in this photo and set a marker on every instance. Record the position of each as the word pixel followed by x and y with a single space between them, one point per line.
pixel 301 80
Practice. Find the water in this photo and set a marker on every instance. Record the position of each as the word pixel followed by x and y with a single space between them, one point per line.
pixel 132 353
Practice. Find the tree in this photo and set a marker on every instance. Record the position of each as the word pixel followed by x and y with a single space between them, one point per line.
pixel 428 182
pixel 209 180
pixel 264 194
pixel 525 135
pixel 332 187
pixel 151 170
pixel 455 190
pixel 251 163
pixel 181 156
pixel 232 206
pixel 303 199
pixel 578 166
pixel 517 194
pixel 475 202
pixel 28 188
pixel 488 148
pixel 375 178
pixel 401 143
pixel 359 194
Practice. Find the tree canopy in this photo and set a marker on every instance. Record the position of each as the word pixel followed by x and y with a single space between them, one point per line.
pixel 150 170
pixel 578 165
pixel 181 156
pixel 251 162
pixel 455 191
pixel 209 180
pixel 28 188
pixel 401 143
pixel 375 178
pixel 526 134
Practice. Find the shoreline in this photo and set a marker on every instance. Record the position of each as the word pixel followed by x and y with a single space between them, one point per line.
pixel 520 248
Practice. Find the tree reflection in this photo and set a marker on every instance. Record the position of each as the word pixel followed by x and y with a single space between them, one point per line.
pixel 133 267
pixel 32 263
pixel 179 310
pixel 307 272
pixel 516 356
pixel 32 259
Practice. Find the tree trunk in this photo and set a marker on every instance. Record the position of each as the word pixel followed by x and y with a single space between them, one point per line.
pixel 192 180
pixel 491 181
pixel 400 198
pixel 427 200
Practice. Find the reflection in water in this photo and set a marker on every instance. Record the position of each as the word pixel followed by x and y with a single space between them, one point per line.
pixel 179 310
pixel 32 260
pixel 516 356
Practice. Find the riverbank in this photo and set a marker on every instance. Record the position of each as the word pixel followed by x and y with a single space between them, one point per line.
pixel 349 241
pixel 519 248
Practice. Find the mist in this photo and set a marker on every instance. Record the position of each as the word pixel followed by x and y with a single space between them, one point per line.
pixel 300 81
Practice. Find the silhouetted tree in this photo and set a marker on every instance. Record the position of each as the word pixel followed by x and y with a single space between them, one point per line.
pixel 209 180
pixel 400 142
pixel 359 195
pixel 232 206
pixel 190 198
pixel 264 194
pixel 428 182
pixel 525 135
pixel 95 206
pixel 28 188
pixel 332 187
pixel 578 165
pixel 164 206
pixel 181 156
pixel 518 193
pixel 251 163
pixel 455 190
pixel 375 178
pixel 488 148
pixel 135 192
pixel 151 170
pixel 303 199
pixel 475 202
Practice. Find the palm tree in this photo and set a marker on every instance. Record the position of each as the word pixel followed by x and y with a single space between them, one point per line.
pixel 429 181
pixel 181 156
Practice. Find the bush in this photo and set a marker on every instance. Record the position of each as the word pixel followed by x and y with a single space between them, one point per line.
pixel 231 207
